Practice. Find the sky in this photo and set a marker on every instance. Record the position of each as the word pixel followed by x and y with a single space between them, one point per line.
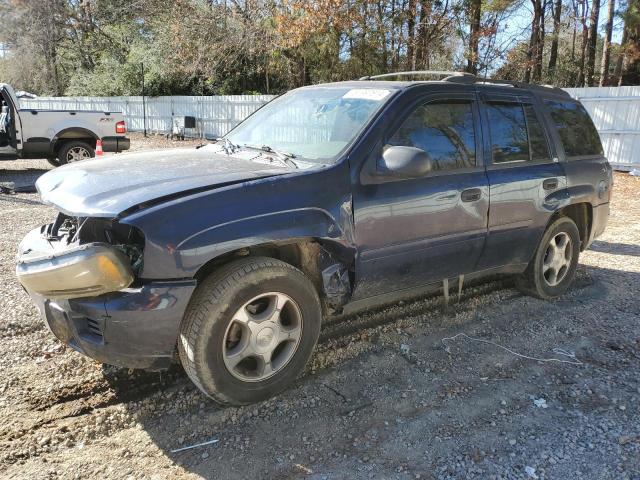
pixel 518 27
pixel 521 20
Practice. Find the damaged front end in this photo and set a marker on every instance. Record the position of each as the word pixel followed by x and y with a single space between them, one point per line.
pixel 76 257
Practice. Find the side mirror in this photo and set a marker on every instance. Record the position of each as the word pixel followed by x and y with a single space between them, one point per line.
pixel 404 162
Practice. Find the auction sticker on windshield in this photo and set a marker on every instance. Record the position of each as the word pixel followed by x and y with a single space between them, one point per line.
pixel 367 93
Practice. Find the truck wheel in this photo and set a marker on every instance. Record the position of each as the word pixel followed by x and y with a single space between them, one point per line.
pixel 249 330
pixel 74 151
pixel 553 266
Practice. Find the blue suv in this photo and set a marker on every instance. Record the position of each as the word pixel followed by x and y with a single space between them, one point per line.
pixel 331 198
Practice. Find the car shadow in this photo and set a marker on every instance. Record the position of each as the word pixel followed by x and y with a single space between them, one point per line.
pixel 10 198
pixel 616 248
pixel 328 404
pixel 21 180
pixel 131 385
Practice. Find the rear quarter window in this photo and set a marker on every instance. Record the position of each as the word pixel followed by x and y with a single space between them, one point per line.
pixel 577 132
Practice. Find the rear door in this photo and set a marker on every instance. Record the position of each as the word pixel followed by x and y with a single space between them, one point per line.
pixel 589 175
pixel 527 182
pixel 412 232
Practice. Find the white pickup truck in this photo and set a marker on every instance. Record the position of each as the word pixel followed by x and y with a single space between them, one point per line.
pixel 60 136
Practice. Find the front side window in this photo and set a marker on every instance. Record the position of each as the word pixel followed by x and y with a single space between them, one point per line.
pixel 444 130
pixel 516 134
pixel 577 132
pixel 315 124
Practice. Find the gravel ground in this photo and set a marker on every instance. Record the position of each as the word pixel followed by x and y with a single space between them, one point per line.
pixel 386 395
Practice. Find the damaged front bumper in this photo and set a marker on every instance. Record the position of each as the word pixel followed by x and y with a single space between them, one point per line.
pixel 134 328
pixel 83 293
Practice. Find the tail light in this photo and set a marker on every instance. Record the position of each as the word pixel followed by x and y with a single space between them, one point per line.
pixel 121 127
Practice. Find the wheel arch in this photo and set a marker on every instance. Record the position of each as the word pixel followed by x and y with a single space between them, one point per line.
pixel 582 215
pixel 71 133
pixel 317 258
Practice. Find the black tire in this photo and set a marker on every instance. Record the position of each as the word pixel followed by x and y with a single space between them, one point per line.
pixel 203 332
pixel 534 281
pixel 53 161
pixel 67 147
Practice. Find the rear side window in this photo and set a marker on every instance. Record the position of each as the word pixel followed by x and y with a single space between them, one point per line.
pixel 537 139
pixel 444 130
pixel 577 132
pixel 516 133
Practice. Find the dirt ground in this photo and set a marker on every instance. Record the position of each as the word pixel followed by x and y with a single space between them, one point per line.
pixel 386 396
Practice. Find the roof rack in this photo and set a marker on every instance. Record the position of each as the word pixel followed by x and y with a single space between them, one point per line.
pixel 468 79
pixel 443 73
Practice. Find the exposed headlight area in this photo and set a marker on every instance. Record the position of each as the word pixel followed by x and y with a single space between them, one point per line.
pixel 79 257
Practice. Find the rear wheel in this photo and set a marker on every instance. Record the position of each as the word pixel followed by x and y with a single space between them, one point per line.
pixel 75 151
pixel 553 266
pixel 249 330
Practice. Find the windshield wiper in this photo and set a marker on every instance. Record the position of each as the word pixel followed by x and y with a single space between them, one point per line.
pixel 286 157
pixel 228 146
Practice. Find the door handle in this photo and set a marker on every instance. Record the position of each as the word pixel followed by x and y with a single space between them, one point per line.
pixel 550 184
pixel 471 195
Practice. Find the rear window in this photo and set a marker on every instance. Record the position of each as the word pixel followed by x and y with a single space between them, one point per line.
pixel 577 132
pixel 516 134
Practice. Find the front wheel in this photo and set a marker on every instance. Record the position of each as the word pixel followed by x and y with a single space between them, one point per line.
pixel 553 266
pixel 249 330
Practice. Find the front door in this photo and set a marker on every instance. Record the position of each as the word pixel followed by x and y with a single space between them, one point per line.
pixel 417 231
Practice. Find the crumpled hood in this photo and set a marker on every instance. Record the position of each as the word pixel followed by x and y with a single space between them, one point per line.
pixel 106 187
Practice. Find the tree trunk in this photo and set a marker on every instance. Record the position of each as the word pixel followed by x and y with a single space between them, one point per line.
pixel 553 54
pixel 475 14
pixel 382 39
pixel 606 48
pixel 85 27
pixel 617 71
pixel 583 49
pixel 422 52
pixel 537 70
pixel 392 35
pixel 534 39
pixel 50 47
pixel 631 67
pixel 591 43
pixel 266 78
pixel 575 31
pixel 411 27
pixel 363 43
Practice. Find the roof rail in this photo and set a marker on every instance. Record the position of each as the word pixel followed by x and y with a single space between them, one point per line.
pixel 468 78
pixel 443 73
pixel 512 83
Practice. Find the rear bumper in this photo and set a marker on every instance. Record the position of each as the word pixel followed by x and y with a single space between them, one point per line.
pixel 115 144
pixel 133 328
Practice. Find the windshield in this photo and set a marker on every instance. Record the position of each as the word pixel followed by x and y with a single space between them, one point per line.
pixel 314 124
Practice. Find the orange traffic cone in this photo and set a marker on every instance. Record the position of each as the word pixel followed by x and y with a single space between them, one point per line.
pixel 99 151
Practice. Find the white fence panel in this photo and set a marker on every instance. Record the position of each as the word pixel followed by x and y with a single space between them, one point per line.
pixel 216 115
pixel 616 114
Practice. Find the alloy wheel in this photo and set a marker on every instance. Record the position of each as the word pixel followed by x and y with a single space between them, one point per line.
pixel 76 154
pixel 557 259
pixel 262 337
